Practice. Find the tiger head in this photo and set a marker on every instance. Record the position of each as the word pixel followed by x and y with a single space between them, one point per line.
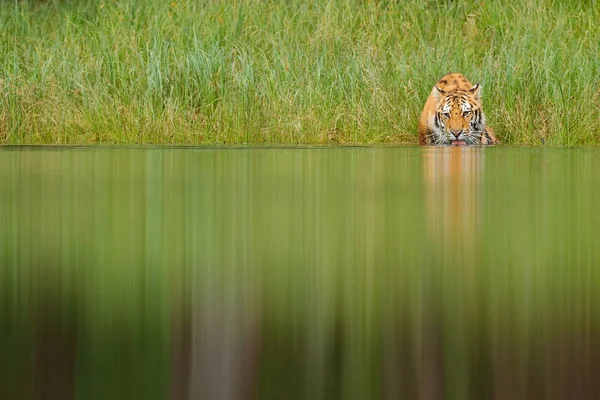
pixel 459 116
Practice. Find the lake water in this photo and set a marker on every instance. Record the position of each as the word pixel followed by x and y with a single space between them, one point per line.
pixel 299 273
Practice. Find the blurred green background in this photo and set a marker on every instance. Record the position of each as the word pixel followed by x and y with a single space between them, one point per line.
pixel 308 273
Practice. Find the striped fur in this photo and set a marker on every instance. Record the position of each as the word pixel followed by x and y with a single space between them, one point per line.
pixel 453 113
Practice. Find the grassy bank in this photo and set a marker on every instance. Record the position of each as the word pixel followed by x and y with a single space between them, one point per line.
pixel 134 71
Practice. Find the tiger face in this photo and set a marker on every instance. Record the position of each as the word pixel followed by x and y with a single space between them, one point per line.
pixel 458 117
pixel 453 114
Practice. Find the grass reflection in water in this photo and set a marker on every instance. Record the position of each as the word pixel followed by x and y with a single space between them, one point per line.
pixel 299 273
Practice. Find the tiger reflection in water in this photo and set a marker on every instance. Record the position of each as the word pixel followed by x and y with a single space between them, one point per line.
pixel 449 281
pixel 453 177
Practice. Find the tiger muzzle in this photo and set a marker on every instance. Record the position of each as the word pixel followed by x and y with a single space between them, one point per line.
pixel 456 133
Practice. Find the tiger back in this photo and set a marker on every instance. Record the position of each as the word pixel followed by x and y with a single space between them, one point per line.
pixel 453 114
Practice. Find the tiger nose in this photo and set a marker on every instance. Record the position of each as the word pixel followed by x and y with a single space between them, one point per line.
pixel 456 132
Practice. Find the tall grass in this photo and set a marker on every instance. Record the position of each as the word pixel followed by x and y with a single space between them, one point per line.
pixel 149 71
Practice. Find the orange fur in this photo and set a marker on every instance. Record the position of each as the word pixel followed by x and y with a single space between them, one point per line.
pixel 454 105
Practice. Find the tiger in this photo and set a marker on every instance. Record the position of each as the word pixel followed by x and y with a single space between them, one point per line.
pixel 453 114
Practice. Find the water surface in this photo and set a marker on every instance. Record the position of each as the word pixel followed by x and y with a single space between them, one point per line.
pixel 299 273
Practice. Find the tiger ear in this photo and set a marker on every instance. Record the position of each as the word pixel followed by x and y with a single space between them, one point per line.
pixel 476 90
pixel 438 93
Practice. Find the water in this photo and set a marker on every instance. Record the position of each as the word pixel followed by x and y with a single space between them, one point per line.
pixel 313 273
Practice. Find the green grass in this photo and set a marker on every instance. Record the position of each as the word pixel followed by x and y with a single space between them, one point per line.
pixel 134 71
